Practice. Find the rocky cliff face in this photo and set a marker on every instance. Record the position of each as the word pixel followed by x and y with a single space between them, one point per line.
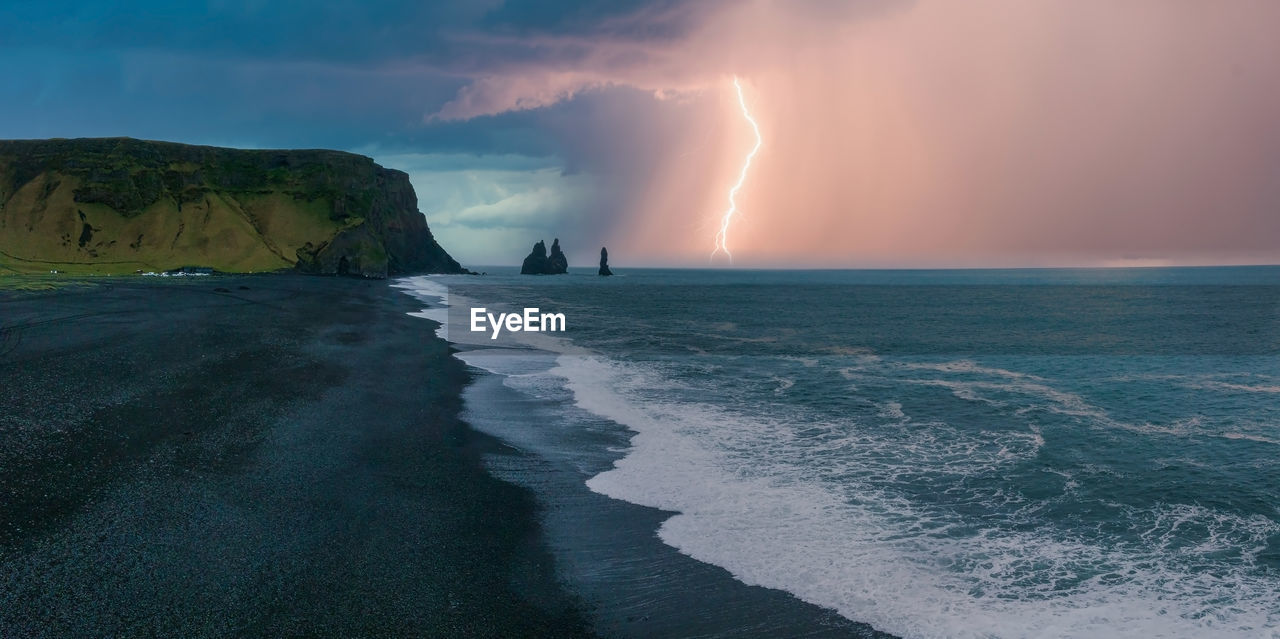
pixel 120 205
pixel 538 262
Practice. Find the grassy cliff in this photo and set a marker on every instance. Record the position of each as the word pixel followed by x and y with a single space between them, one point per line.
pixel 119 205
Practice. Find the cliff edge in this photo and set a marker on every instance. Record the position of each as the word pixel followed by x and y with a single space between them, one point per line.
pixel 120 205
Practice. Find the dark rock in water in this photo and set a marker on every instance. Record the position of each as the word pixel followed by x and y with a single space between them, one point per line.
pixel 539 263
pixel 604 262
pixel 536 262
pixel 557 263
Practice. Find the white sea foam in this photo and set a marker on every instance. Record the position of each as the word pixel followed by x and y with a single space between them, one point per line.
pixel 521 353
pixel 875 557
pixel 431 292
pixel 893 410
pixel 965 366
pixel 783 384
pixel 806 509
pixel 807 362
pixel 1053 400
pixel 1251 437
pixel 1228 386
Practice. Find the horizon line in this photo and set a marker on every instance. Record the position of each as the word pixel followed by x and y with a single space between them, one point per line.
pixel 922 268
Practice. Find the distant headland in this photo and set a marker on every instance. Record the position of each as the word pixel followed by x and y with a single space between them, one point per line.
pixel 120 205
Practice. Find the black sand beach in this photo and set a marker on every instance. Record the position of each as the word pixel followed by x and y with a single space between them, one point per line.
pixel 283 456
pixel 262 456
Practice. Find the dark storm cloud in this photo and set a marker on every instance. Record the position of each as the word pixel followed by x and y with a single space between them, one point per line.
pixel 350 75
pixel 281 73
pixel 898 133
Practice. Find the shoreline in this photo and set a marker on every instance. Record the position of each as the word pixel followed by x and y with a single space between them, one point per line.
pixel 271 454
pixel 607 551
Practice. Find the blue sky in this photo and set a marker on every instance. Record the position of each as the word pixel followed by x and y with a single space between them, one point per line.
pixel 358 76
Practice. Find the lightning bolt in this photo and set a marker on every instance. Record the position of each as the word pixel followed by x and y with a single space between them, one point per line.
pixel 722 236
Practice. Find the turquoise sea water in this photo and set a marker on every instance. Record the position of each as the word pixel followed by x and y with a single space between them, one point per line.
pixel 936 453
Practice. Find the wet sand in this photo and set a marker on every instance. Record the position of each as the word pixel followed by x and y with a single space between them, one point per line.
pixel 265 456
pixel 609 551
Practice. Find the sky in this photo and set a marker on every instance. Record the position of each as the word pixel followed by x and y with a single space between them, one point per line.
pixel 894 133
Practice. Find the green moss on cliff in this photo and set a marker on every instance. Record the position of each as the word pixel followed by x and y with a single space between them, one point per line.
pixel 113 205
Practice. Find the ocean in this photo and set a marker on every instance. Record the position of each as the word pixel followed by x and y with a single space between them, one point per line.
pixel 950 453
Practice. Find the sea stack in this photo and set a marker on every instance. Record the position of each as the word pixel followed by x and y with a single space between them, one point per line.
pixel 557 263
pixel 604 262
pixel 536 262
pixel 539 263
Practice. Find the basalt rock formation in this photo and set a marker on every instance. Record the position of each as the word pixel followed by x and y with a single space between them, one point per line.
pixel 538 262
pixel 119 205
pixel 557 262
pixel 604 262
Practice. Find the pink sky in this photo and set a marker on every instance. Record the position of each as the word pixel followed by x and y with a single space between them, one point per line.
pixel 977 133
